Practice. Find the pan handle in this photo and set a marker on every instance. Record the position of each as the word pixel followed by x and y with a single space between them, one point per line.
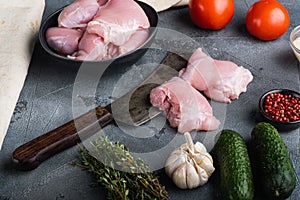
pixel 29 155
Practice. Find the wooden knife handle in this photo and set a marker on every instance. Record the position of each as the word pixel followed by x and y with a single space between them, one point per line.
pixel 29 155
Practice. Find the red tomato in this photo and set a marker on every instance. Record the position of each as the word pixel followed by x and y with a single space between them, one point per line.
pixel 267 19
pixel 211 14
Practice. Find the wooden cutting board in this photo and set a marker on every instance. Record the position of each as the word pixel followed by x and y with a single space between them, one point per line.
pixel 19 23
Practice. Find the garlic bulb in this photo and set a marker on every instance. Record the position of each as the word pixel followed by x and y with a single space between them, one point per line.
pixel 190 165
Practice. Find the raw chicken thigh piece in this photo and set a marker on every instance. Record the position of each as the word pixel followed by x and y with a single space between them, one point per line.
pixel 235 80
pixel 91 47
pixel 136 40
pixel 78 14
pixel 117 20
pixel 63 40
pixel 220 80
pixel 184 106
pixel 200 71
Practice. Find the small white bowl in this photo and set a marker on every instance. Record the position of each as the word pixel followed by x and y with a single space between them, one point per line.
pixel 295 41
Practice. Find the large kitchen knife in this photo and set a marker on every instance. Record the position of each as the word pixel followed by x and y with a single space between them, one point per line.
pixel 29 155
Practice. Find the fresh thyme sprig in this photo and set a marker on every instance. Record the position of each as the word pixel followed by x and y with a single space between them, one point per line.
pixel 115 169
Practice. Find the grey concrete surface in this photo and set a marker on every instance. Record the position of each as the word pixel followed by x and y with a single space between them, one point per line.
pixel 46 102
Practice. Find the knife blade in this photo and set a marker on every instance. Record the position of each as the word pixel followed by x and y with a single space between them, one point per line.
pixel 132 109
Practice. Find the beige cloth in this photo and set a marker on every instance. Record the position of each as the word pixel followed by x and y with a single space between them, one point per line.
pixel 19 24
pixel 161 5
pixel 182 3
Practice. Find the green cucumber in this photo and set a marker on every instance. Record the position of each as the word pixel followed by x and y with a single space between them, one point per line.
pixel 236 180
pixel 275 173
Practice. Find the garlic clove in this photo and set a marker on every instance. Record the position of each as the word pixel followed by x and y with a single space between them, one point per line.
pixel 203 156
pixel 199 147
pixel 205 161
pixel 199 157
pixel 207 165
pixel 192 178
pixel 203 176
pixel 174 161
pixel 179 176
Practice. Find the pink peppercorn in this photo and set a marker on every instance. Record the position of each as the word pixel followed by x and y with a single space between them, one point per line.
pixel 282 107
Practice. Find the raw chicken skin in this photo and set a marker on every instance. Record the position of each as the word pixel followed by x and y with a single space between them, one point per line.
pixel 63 40
pixel 117 20
pixel 91 47
pixel 78 14
pixel 184 106
pixel 112 51
pixel 220 80
pixel 136 40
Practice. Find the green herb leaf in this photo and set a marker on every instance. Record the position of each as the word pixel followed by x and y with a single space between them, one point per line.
pixel 132 182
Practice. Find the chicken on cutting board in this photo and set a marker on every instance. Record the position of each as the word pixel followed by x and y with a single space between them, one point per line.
pixel 220 80
pixel 184 106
